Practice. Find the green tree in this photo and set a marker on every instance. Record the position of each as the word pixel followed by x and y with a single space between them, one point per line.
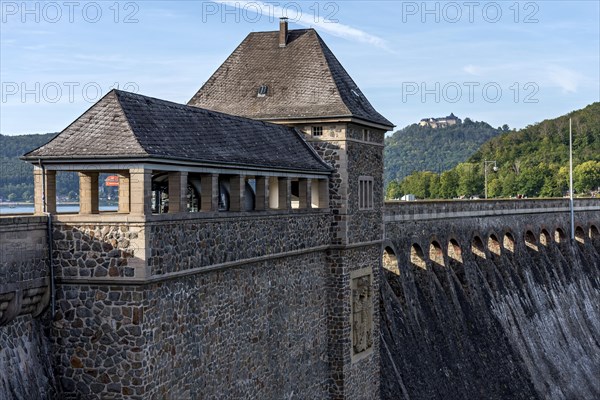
pixel 393 191
pixel 494 188
pixel 586 176
pixel 469 181
pixel 12 197
pixel 448 184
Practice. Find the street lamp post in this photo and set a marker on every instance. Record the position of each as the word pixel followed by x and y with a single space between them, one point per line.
pixel 485 171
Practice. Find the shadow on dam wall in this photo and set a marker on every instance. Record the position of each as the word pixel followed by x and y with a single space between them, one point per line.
pixel 522 325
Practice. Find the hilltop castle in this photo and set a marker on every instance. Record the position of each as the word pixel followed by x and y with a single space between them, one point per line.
pixel 243 261
pixel 440 122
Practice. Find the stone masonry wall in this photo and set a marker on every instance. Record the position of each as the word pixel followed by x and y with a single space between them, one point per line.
pixel 25 355
pixel 181 245
pixel 98 248
pixel 231 306
pixel 257 331
pixel 365 160
pixel 354 376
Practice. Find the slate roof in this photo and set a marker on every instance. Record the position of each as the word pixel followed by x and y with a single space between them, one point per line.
pixel 127 125
pixel 304 80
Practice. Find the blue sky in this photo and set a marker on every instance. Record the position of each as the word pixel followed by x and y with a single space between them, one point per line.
pixel 502 62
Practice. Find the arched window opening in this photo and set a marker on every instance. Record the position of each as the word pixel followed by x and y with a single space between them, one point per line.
pixel 390 261
pixel 559 236
pixel 530 241
pixel 580 235
pixel 477 247
pixel 509 242
pixel 454 250
pixel 436 254
pixel 494 245
pixel 544 238
pixel 416 256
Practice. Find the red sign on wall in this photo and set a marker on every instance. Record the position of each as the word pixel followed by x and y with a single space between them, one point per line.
pixel 111 180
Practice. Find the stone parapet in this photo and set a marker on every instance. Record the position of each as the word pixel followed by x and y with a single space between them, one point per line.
pixel 138 249
pixel 423 210
pixel 24 274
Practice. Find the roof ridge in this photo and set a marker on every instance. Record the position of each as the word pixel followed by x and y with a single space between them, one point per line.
pixel 204 110
pixel 135 136
pixel 322 47
pixel 333 62
pixel 90 108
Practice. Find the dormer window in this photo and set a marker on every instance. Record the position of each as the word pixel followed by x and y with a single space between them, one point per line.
pixel 262 91
pixel 317 131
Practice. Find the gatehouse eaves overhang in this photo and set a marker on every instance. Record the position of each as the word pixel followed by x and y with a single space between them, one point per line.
pixel 328 119
pixel 115 163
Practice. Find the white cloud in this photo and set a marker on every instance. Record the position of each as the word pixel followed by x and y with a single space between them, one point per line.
pixel 297 16
pixel 564 78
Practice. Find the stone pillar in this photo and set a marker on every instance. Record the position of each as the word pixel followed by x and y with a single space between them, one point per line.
pixel 209 184
pixel 304 193
pixel 140 183
pixel 50 191
pixel 273 190
pixel 323 193
pixel 262 194
pixel 178 192
pixel 237 186
pixel 88 193
pixel 285 193
pixel 320 193
pixel 124 191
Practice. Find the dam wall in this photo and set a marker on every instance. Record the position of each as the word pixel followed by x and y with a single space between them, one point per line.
pixel 491 299
pixel 192 306
pixel 25 352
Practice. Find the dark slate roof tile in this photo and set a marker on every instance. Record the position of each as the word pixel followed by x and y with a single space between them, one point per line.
pixel 125 124
pixel 304 80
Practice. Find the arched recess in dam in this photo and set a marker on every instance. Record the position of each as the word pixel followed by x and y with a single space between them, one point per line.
pixel 595 237
pixel 389 260
pixel 494 245
pixel 508 242
pixel 545 238
pixel 530 241
pixel 478 248
pixel 417 258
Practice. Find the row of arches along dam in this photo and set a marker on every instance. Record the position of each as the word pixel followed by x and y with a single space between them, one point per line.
pixel 497 316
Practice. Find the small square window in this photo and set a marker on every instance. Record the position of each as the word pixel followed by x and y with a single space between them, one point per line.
pixel 317 131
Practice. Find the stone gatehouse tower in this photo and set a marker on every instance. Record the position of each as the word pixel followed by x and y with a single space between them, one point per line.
pixel 243 260
pixel 291 77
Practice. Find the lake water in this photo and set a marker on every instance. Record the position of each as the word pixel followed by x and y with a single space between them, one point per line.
pixel 5 210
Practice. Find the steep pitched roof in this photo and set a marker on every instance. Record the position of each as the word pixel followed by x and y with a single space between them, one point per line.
pixel 304 80
pixel 128 125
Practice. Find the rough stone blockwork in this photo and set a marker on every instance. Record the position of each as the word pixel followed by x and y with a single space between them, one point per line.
pixel 26 360
pixel 182 245
pixel 25 356
pixel 489 323
pixel 96 250
pixel 236 333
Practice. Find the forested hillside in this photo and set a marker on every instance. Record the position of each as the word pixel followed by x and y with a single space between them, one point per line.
pixel 531 162
pixel 16 176
pixel 417 148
